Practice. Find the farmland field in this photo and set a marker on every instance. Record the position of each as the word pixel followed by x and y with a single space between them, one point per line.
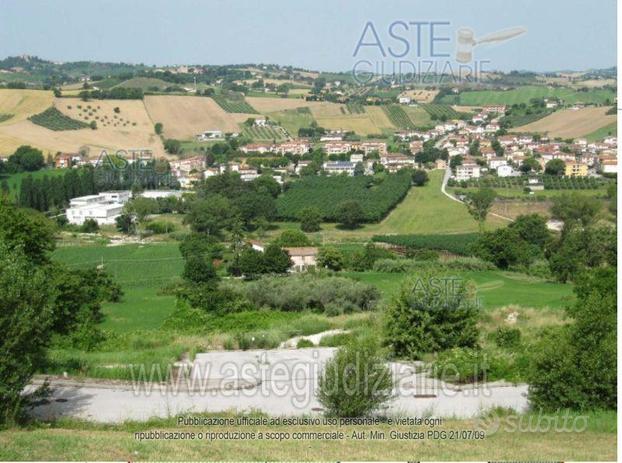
pixel 440 110
pixel 293 119
pixel 326 193
pixel 264 133
pixel 22 104
pixel 236 104
pixel 526 93
pixel 398 116
pixel 569 123
pixel 335 117
pixel 144 83
pixel 271 104
pixel 53 119
pixel 186 116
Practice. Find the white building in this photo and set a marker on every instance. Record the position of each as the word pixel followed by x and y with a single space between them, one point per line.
pixel 467 171
pixel 104 208
pixel 339 167
pixel 155 194
pixel 506 171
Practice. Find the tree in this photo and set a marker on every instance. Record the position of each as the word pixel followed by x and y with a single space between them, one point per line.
pixel 356 381
pixel 158 128
pixel 479 204
pixel 26 158
pixel 455 161
pixel 350 214
pixel 276 260
pixel 310 219
pixel 27 230
pixel 532 229
pixel 574 366
pixel 198 269
pixel 575 209
pixel 93 125
pixel 292 238
pixel 555 167
pixel 420 177
pixel 25 320
pixel 432 312
pixel 530 164
pixel 266 184
pixel 172 146
pixel 210 215
pixel 331 258
pixel 504 247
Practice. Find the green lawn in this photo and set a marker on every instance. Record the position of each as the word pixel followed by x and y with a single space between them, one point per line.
pixel 495 288
pixel 141 271
pixel 526 93
pixel 426 210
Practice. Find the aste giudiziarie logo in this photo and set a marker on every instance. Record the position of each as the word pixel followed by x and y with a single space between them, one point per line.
pixel 424 52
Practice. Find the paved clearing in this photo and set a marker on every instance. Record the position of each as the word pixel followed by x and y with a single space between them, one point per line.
pixel 277 382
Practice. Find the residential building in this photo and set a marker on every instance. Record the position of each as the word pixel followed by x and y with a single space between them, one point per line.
pixel 302 258
pixel 339 167
pixel 467 171
pixel 337 147
pixel 298 147
pixel 575 169
pixel 395 162
pixel 369 147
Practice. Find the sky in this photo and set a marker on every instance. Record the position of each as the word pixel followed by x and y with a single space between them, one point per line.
pixel 319 34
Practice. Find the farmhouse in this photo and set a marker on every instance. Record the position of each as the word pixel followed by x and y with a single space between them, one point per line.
pixel 210 135
pixel 499 109
pixel 302 258
pixel 608 164
pixel 104 208
pixel 416 146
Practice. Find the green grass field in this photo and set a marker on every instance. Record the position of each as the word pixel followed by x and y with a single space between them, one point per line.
pixel 495 288
pixel 293 119
pixel 75 440
pixel 141 271
pixel 606 131
pixel 526 93
pixel 427 210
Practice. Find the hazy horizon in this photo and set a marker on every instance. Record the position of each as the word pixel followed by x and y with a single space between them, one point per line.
pixel 560 35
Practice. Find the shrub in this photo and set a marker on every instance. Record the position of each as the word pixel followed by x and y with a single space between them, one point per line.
pixel 89 226
pixel 355 382
pixel 462 365
pixel 331 258
pixel 336 340
pixel 506 337
pixel 292 238
pixel 159 228
pixel 433 312
pixel 303 343
pixel 306 292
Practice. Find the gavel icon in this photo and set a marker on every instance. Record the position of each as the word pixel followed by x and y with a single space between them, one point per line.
pixel 466 41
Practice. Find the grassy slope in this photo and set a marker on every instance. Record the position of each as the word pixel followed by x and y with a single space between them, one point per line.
pixel 427 210
pixel 524 94
pixel 78 441
pixel 603 132
pixel 141 271
pixel 494 288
